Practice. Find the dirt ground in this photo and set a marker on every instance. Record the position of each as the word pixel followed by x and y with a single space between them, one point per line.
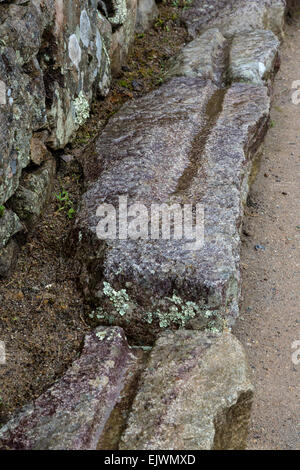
pixel 270 316
pixel 43 317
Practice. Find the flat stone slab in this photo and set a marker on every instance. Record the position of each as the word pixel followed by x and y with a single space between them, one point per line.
pixel 253 56
pixel 248 57
pixel 185 143
pixel 72 414
pixel 205 57
pixel 233 17
pixel 198 399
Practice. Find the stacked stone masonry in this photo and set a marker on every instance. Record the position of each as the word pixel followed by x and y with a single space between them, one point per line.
pixel 56 56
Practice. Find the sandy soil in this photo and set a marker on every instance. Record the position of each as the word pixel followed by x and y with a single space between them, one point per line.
pixel 270 316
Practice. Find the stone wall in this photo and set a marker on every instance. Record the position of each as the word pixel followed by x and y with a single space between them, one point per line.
pixel 55 57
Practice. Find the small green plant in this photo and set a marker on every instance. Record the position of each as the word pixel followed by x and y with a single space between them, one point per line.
pixel 187 4
pixel 2 210
pixel 272 124
pixel 159 23
pixel 65 204
pixel 124 84
pixel 71 213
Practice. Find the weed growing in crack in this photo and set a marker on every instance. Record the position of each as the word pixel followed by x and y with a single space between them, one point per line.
pixel 65 204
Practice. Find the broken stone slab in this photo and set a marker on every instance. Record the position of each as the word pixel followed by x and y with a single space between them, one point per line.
pixel 72 414
pixel 206 57
pixel 195 394
pixel 115 425
pixel 33 193
pixel 185 143
pixel 147 11
pixel 10 224
pixel 253 57
pixel 233 17
pixel 248 57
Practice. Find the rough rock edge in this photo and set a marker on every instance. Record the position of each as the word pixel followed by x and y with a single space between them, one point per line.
pixel 72 414
pixel 199 399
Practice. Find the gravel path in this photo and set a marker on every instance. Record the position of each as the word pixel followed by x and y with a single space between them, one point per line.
pixel 270 316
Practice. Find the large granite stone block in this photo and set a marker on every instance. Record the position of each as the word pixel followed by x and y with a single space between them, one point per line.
pixel 185 143
pixel 195 394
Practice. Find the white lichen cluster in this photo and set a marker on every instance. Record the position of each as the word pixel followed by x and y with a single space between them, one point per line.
pixel 120 8
pixel 82 109
pixel 179 313
pixel 119 299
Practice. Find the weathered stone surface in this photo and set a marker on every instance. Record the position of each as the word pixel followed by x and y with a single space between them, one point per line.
pixel 253 56
pixel 33 193
pixel 248 57
pixel 22 83
pixel 8 258
pixel 73 412
pixel 147 11
pixel 205 57
pixel 9 225
pixel 38 150
pixel 54 58
pixel 105 29
pixel 122 37
pixel 75 66
pixel 119 12
pixel 53 61
pixel 233 17
pixel 179 144
pixel 195 394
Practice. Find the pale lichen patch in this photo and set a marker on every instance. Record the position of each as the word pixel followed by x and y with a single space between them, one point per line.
pixel 82 109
